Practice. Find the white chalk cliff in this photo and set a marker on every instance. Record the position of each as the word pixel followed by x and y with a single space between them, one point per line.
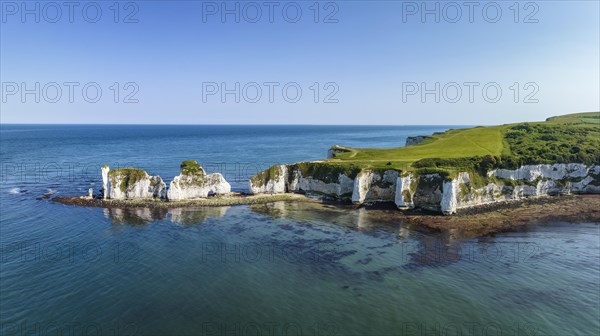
pixel 193 182
pixel 197 184
pixel 340 189
pixel 433 191
pixel 373 186
pixel 276 184
pixel 128 183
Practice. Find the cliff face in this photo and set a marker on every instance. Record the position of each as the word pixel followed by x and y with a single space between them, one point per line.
pixel 375 186
pixel 271 181
pixel 193 182
pixel 341 188
pixel 322 180
pixel 131 183
pixel 433 192
pixel 430 191
pixel 405 186
pixel 526 181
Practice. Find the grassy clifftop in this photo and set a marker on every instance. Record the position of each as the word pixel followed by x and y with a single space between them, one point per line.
pixel 129 177
pixel 477 141
pixel 592 118
pixel 572 138
pixel 562 139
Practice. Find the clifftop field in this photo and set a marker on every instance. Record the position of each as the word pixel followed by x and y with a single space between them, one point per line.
pixel 563 139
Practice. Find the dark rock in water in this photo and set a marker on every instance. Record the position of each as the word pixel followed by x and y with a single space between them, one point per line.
pixel 46 196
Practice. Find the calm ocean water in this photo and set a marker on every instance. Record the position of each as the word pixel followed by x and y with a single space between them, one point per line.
pixel 291 269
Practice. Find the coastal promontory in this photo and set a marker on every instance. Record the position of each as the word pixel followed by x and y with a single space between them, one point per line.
pixel 456 169
pixel 193 182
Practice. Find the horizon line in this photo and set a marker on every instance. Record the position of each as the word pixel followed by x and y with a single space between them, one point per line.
pixel 106 124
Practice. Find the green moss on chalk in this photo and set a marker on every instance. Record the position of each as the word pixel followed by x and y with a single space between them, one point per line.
pixel 407 197
pixel 191 167
pixel 261 179
pixel 128 176
pixel 465 190
pixel 326 172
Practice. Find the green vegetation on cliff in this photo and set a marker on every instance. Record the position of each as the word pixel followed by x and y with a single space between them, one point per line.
pixel 328 173
pixel 534 143
pixel 128 177
pixel 192 174
pixel 563 139
pixel 191 167
pixel 577 118
pixel 265 176
pixel 458 143
pixel 572 138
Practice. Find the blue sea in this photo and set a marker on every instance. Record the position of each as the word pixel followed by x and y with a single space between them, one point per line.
pixel 272 269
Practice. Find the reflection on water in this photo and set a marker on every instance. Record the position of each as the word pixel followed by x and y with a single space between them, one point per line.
pixel 196 216
pixel 304 232
pixel 134 216
pixel 342 215
pixel 298 262
pixel 339 237
pixel 143 216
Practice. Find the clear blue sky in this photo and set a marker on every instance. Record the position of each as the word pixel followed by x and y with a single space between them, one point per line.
pixel 372 49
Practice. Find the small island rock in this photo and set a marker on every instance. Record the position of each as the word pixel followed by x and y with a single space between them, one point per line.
pixel 193 182
pixel 129 183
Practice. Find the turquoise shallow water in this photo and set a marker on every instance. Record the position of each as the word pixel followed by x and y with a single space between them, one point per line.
pixel 281 268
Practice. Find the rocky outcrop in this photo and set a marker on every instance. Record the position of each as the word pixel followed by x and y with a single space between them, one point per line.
pixel 414 140
pixel 132 183
pixel 526 181
pixel 270 181
pixel 430 191
pixel 334 150
pixel 367 186
pixel 129 183
pixel 309 178
pixel 371 186
pixel 105 169
pixel 193 182
pixel 557 171
pixel 449 202
pixel 417 139
pixel 341 188
pixel 405 186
